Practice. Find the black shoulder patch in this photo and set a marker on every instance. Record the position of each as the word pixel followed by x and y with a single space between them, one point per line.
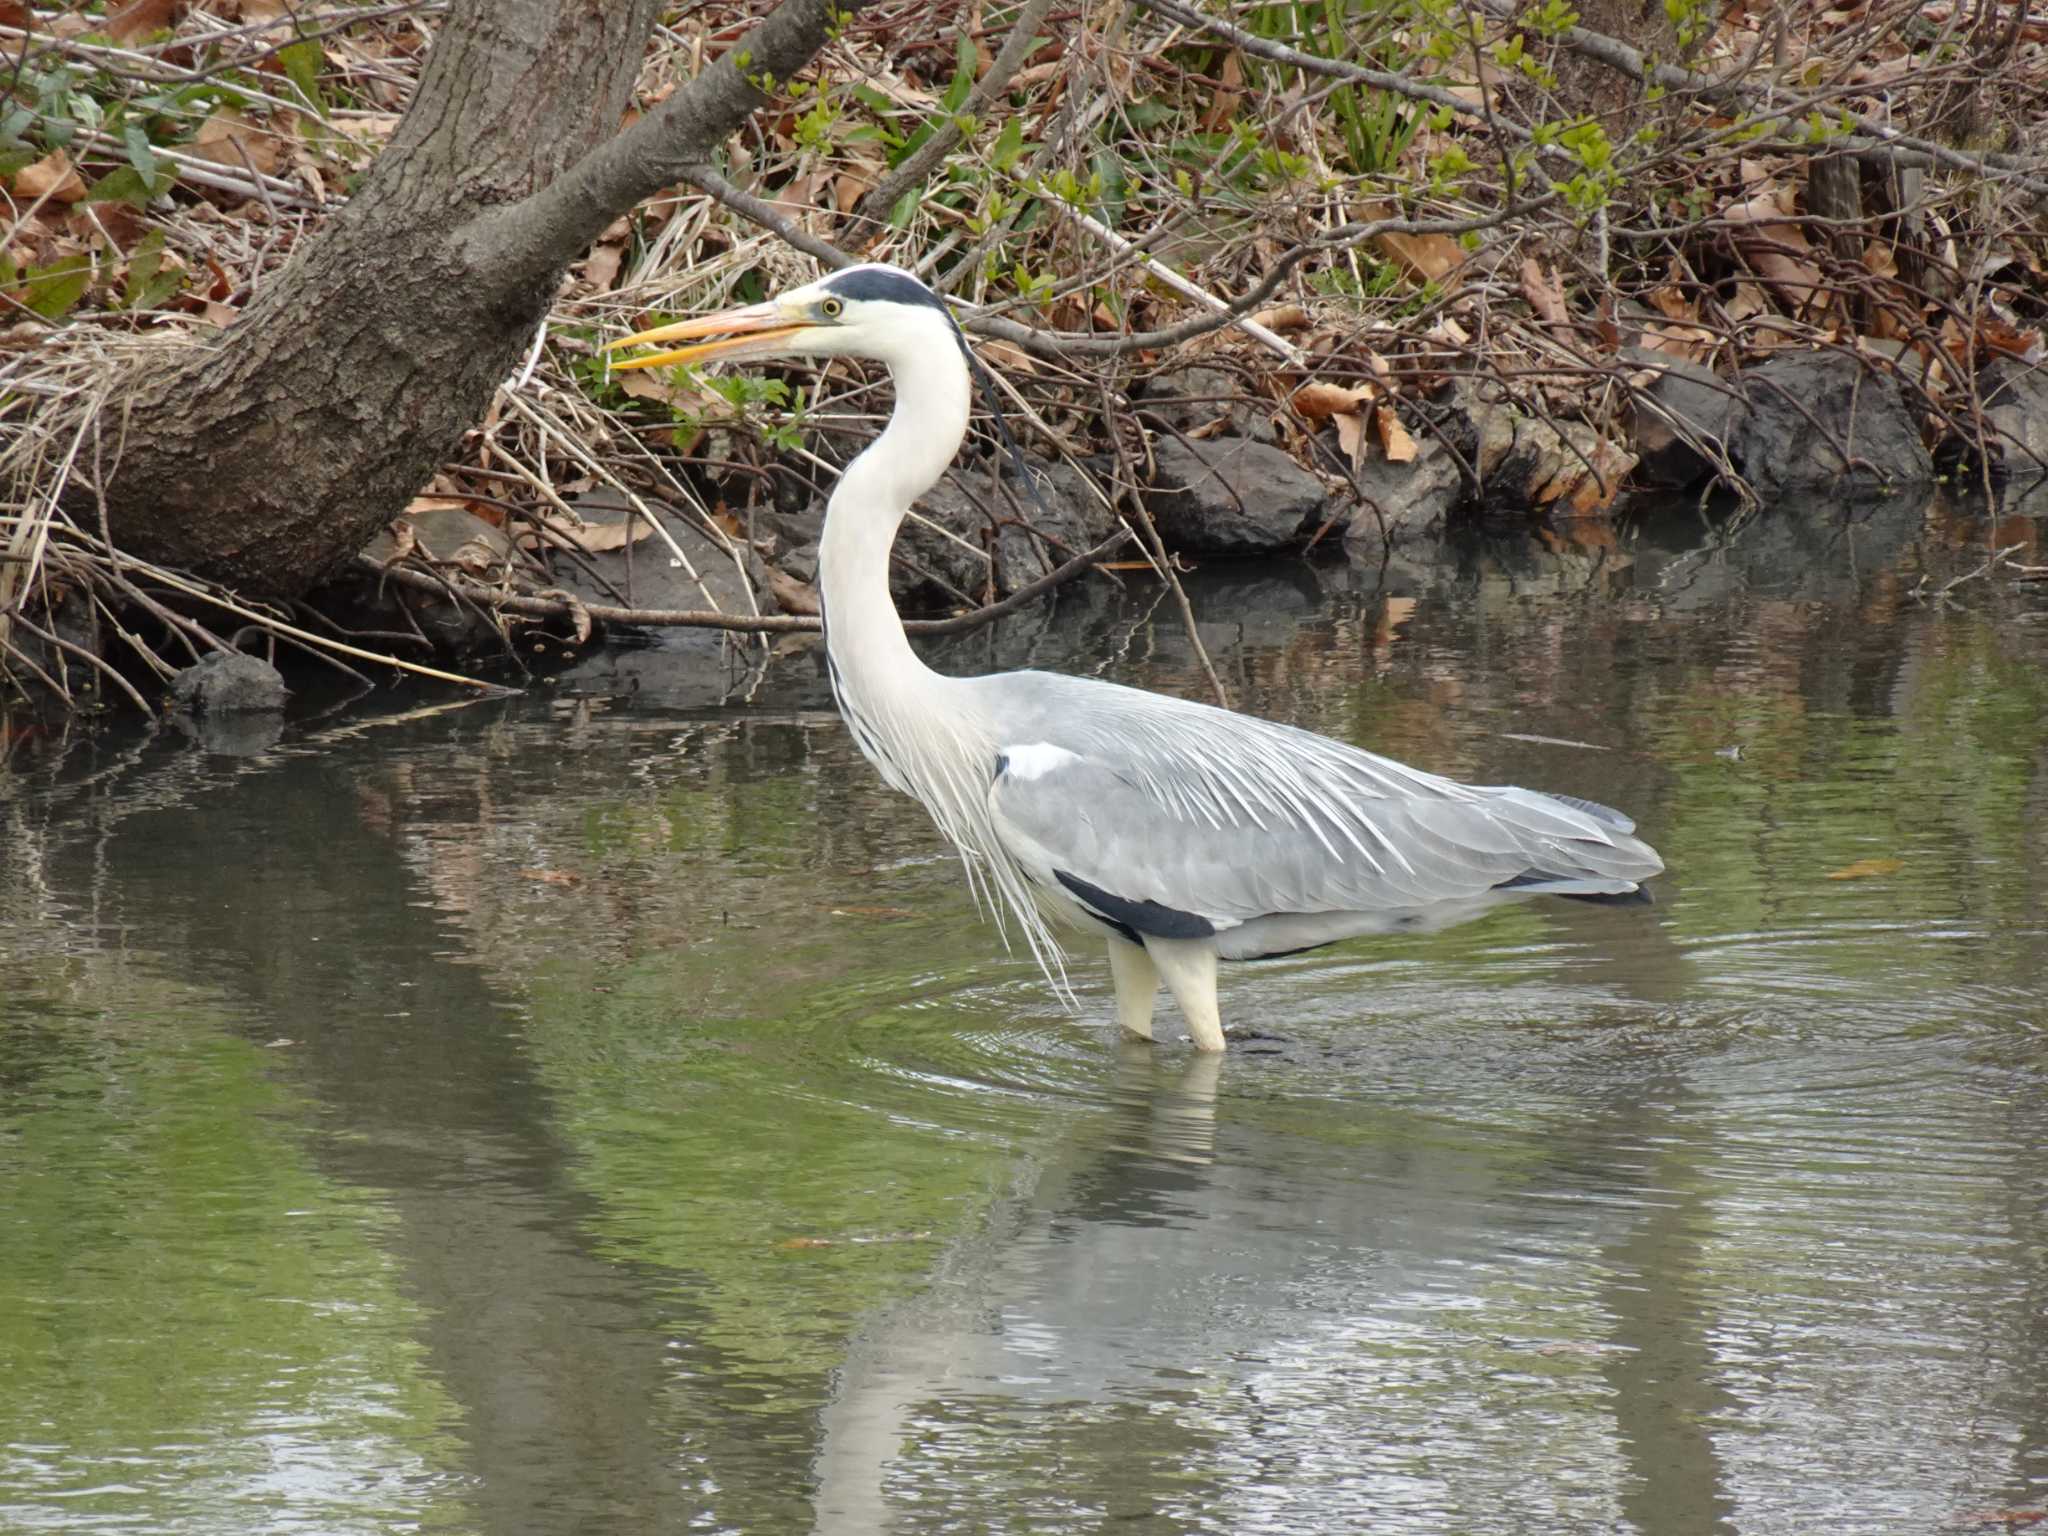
pixel 884 283
pixel 1138 916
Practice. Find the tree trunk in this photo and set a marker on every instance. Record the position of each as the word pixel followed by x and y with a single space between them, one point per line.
pixel 272 456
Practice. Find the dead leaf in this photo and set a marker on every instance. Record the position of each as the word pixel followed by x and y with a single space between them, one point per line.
pixel 421 504
pixel 551 876
pixel 1864 869
pixel 872 912
pixel 1316 400
pixel 229 138
pixel 1545 295
pixel 1671 303
pixel 648 385
pixel 601 538
pixel 1778 250
pixel 1432 258
pixel 1687 341
pixel 848 190
pixel 791 595
pixel 1747 301
pixel 1223 105
pixel 1350 435
pixel 139 18
pixel 1009 354
pixel 1283 318
pixel 51 177
pixel 370 128
pixel 602 269
pixel 1394 439
pixel 1596 492
pixel 1995 336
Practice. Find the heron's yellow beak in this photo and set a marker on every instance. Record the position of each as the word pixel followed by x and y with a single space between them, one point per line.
pixel 745 332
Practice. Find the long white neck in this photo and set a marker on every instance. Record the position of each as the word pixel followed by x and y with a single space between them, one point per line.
pixel 863 634
pixel 929 735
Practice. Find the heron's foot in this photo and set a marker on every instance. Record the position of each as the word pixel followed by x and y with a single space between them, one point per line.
pixel 1130 1036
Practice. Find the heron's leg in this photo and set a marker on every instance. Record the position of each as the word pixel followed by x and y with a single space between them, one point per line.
pixel 1188 967
pixel 1137 984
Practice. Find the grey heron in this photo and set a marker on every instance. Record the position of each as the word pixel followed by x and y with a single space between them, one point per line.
pixel 1180 833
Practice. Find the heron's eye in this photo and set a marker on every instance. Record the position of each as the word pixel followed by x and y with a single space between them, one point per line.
pixel 831 309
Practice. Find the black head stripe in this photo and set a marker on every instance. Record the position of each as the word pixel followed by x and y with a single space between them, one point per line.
pixel 885 284
pixel 892 286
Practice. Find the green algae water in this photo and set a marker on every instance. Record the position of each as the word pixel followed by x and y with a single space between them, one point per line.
pixel 604 1111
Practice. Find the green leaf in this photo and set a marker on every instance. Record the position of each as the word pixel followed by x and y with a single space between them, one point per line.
pixel 124 185
pixel 903 208
pixel 963 74
pixel 1009 144
pixel 135 139
pixel 302 63
pixel 53 290
pixel 150 281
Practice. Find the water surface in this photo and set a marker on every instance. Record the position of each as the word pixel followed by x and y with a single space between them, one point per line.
pixel 602 1110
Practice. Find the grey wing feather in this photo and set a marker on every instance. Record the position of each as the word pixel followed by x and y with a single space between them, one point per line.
pixel 1237 819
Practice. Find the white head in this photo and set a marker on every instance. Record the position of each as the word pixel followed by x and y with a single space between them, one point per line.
pixel 873 310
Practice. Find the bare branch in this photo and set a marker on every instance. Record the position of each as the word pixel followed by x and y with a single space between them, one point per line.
pixel 874 208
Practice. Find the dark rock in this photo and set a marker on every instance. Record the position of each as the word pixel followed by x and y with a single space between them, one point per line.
pixel 1672 415
pixel 2015 396
pixel 1481 457
pixel 1232 496
pixel 648 573
pixel 1197 396
pixel 441 534
pixel 229 683
pixel 673 668
pixel 1403 501
pixel 1816 419
pixel 1066 517
pixel 447 534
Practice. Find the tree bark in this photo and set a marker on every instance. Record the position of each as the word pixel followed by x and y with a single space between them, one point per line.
pixel 269 458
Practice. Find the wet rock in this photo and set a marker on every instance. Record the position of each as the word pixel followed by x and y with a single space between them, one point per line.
pixel 1679 409
pixel 1232 496
pixel 1196 397
pixel 440 534
pixel 2015 396
pixel 1816 419
pixel 229 683
pixel 446 534
pixel 1560 469
pixel 649 573
pixel 1405 501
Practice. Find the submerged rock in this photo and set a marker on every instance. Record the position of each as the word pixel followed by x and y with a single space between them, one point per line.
pixel 229 683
